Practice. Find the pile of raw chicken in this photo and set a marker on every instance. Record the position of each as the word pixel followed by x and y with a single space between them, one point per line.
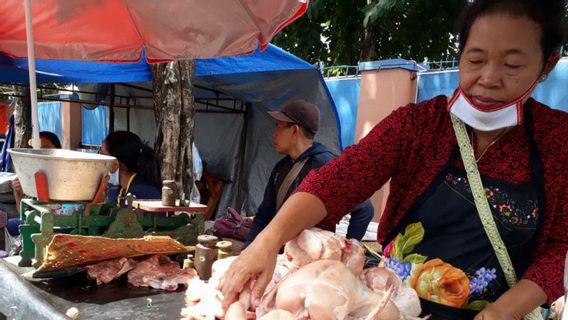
pixel 319 276
pixel 157 271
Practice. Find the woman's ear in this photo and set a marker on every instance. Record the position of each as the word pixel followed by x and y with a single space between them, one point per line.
pixel 550 64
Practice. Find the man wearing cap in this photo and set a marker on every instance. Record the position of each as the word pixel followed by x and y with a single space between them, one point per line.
pixel 297 124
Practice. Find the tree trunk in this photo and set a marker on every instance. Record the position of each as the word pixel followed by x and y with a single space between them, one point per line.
pixel 22 117
pixel 174 112
pixel 368 52
pixel 368 48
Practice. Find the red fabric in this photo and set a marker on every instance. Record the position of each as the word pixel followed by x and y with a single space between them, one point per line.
pixel 412 145
pixel 118 30
pixel 4 116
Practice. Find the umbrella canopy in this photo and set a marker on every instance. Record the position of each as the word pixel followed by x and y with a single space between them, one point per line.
pixel 118 30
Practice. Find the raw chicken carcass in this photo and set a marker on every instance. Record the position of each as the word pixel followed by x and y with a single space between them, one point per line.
pixel 316 244
pixel 327 290
pixel 380 279
pixel 106 271
pixel 353 256
pixel 278 314
pixel 303 289
pixel 204 300
pixel 160 272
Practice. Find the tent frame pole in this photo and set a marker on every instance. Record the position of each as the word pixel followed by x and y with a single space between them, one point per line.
pixel 242 152
pixel 111 109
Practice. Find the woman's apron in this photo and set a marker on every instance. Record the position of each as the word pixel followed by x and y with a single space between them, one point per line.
pixel 440 247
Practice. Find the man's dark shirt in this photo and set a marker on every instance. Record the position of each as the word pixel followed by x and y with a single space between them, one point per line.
pixel 317 156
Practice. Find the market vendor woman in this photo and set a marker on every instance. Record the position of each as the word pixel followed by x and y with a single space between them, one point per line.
pixel 432 227
pixel 138 170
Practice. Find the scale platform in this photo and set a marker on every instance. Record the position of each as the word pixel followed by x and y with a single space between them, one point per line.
pixel 156 206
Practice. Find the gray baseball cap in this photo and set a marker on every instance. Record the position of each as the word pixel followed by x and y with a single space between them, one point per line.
pixel 300 112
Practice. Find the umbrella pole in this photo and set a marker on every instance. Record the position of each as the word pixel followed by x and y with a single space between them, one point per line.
pixel 36 143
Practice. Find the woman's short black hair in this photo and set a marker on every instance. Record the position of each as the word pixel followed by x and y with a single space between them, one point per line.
pixel 550 15
pixel 52 137
pixel 135 155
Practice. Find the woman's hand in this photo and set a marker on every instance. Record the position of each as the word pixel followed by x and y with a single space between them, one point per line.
pixel 18 192
pixel 16 186
pixel 255 265
pixel 515 303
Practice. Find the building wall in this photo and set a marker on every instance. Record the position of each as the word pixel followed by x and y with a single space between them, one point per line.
pixel 382 91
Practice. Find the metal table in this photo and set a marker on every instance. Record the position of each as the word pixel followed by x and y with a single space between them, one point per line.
pixel 22 297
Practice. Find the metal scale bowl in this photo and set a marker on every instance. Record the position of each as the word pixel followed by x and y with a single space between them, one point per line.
pixel 75 179
pixel 70 175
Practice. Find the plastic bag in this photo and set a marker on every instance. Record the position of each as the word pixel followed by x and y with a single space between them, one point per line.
pixel 232 225
pixel 197 162
pixel 195 195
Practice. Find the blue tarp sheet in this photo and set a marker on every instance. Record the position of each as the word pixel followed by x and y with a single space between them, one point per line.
pixel 49 117
pixel 345 94
pixel 10 72
pixel 64 71
pixel 95 125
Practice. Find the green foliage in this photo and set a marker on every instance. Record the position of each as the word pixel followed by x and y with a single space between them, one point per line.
pixel 336 32
pixel 380 9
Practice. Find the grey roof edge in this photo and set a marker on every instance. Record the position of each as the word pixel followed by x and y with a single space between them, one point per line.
pixel 391 64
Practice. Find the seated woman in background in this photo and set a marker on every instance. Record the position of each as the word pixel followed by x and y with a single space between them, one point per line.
pixel 49 140
pixel 138 168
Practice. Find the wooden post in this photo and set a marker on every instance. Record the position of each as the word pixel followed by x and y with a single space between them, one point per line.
pixel 71 125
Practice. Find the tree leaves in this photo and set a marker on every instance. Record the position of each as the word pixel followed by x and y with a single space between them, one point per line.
pixel 343 32
pixel 376 10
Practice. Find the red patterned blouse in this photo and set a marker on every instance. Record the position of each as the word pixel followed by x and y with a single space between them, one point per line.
pixel 413 144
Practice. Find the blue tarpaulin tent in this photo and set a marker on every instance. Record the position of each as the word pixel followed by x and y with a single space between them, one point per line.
pixel 64 71
pixel 264 80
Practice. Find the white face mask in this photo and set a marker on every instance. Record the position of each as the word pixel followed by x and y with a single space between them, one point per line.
pixel 487 118
pixel 114 178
